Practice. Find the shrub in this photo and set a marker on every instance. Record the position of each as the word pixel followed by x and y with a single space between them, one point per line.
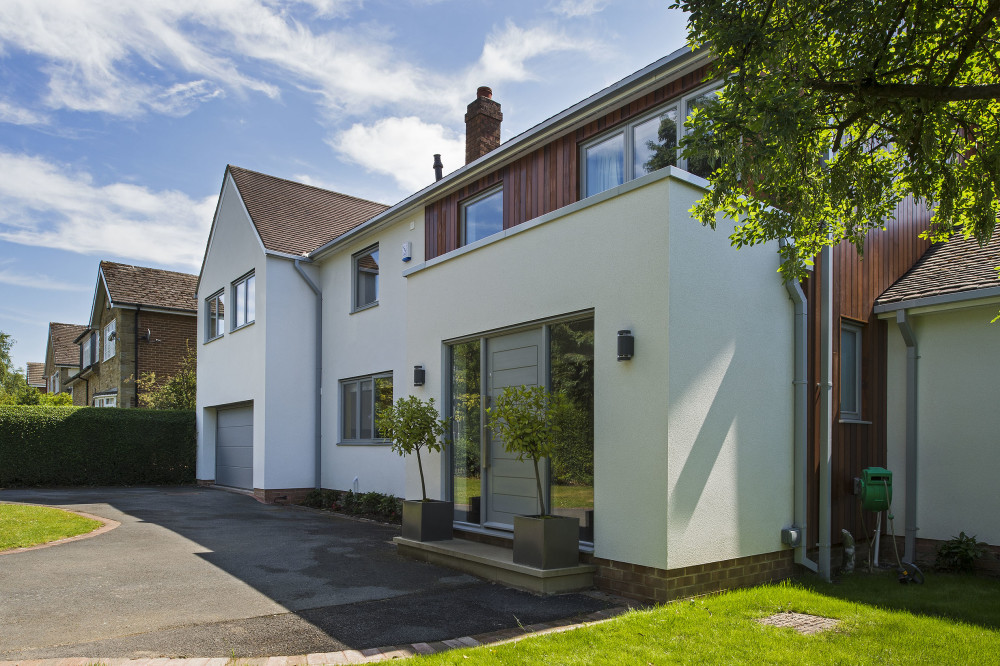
pixel 72 446
pixel 959 554
pixel 377 506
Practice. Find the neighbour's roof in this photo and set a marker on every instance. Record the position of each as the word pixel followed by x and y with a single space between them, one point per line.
pixel 61 338
pixel 152 287
pixel 36 373
pixel 293 218
pixel 957 266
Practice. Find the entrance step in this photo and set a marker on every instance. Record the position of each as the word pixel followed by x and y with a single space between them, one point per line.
pixel 496 563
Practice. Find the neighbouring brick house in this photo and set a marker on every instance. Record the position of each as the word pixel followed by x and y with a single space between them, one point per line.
pixel 62 356
pixel 35 374
pixel 142 320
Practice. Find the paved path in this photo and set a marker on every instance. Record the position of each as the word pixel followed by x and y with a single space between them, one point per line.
pixel 201 572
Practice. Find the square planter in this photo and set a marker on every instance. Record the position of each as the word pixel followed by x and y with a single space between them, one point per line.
pixel 546 543
pixel 427 521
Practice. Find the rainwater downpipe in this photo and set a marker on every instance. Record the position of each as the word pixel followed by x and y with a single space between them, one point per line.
pixel 318 481
pixel 135 326
pixel 801 419
pixel 825 409
pixel 910 541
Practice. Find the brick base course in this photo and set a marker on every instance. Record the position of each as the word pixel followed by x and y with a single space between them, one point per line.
pixel 281 495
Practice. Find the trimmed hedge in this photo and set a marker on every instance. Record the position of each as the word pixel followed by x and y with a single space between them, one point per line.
pixel 90 446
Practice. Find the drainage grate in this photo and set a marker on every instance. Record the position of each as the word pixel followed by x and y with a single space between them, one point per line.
pixel 800 622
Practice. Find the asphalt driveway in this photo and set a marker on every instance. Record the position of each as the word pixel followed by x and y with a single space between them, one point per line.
pixel 197 572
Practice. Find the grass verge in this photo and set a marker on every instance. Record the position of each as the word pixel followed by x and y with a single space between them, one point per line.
pixel 722 629
pixel 22 525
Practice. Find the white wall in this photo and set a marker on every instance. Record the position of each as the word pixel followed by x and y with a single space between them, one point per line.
pixel 957 425
pixel 231 368
pixel 730 417
pixel 613 255
pixel 363 343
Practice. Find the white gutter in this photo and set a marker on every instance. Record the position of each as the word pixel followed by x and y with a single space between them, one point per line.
pixel 319 372
pixel 910 542
pixel 825 409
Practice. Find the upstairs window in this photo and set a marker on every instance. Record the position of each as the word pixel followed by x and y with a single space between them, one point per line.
pixel 366 278
pixel 215 316
pixel 641 146
pixel 88 351
pixel 110 335
pixel 850 372
pixel 482 216
pixel 244 301
pixel 361 400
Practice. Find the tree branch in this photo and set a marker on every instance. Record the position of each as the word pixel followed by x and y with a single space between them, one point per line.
pixel 907 90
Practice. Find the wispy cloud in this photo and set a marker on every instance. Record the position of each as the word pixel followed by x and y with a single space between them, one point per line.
pixel 49 205
pixel 17 115
pixel 14 278
pixel 575 8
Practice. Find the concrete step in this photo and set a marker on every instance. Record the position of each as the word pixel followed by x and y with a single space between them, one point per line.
pixel 496 563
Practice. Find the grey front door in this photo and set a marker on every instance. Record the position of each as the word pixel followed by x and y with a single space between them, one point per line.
pixel 234 447
pixel 511 360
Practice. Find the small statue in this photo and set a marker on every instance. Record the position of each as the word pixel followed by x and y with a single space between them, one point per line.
pixel 847 566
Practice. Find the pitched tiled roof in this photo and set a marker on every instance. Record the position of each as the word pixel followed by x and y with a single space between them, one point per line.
pixel 138 285
pixel 293 218
pixel 36 373
pixel 948 268
pixel 61 337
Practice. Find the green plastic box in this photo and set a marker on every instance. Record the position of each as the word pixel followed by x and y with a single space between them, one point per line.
pixel 876 489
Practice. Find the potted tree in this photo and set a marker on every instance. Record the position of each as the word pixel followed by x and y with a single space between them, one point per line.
pixel 413 424
pixel 525 419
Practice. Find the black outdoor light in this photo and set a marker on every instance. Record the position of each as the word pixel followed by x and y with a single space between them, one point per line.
pixel 626 345
pixel 418 375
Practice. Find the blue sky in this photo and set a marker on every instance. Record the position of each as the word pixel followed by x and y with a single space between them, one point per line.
pixel 118 117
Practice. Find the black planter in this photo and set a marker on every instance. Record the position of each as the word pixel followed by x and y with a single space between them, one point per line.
pixel 427 521
pixel 546 543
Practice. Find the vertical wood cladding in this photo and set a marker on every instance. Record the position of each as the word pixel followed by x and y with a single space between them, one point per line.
pixel 857 282
pixel 542 181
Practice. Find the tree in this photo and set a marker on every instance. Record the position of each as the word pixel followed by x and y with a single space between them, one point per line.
pixel 180 391
pixel 412 424
pixel 14 389
pixel 833 112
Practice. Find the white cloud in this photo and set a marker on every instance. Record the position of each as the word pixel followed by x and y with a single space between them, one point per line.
pixel 508 50
pixel 48 205
pixel 36 280
pixel 575 8
pixel 17 115
pixel 403 148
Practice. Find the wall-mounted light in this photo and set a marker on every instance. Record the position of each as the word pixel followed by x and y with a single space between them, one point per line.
pixel 418 375
pixel 626 345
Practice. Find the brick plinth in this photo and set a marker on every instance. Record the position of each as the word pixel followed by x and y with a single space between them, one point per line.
pixel 206 482
pixel 281 495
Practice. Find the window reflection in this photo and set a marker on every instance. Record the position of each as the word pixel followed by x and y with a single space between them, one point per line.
pixel 482 217
pixel 465 442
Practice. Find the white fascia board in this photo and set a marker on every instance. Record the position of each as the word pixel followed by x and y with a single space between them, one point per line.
pixel 669 67
pixel 940 303
pixel 156 309
pixel 101 282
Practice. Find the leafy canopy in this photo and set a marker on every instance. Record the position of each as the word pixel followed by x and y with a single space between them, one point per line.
pixel 902 95
pixel 412 424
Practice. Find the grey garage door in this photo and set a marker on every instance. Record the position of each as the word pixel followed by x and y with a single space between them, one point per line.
pixel 234 447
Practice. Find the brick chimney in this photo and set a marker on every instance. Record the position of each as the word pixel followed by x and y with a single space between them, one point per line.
pixel 482 125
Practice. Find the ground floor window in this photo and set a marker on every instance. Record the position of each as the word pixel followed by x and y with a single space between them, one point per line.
pixel 106 401
pixel 360 399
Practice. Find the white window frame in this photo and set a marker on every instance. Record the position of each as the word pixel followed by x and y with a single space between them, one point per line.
pixel 213 330
pixel 106 401
pixel 356 381
pixel 472 201
pixel 54 382
pixel 852 412
pixel 355 258
pixel 87 352
pixel 679 104
pixel 108 338
pixel 243 283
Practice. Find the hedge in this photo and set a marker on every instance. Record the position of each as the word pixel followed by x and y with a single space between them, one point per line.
pixel 89 446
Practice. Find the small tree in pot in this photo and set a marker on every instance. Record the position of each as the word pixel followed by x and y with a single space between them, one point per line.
pixel 525 419
pixel 413 424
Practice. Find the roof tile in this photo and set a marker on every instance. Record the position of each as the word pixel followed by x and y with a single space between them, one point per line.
pixel 152 287
pixel 36 374
pixel 61 337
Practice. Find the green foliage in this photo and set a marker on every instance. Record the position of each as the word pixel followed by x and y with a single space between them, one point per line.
pixel 833 113
pixel 23 525
pixel 526 419
pixel 412 424
pixel 55 399
pixel 179 391
pixel 72 446
pixel 14 389
pixel 572 374
pixel 959 554
pixel 465 408
pixel 374 505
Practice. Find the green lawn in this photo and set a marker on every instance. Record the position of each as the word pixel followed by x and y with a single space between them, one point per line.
pixel 563 497
pixel 22 525
pixel 948 620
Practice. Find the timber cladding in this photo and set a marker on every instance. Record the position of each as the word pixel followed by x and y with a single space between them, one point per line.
pixel 544 180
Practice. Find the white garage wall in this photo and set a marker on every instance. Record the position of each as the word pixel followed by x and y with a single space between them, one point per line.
pixel 957 427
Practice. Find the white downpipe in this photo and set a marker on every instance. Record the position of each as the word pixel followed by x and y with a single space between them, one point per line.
pixel 910 541
pixel 801 407
pixel 318 480
pixel 825 409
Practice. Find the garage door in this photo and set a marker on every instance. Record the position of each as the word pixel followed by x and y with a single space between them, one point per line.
pixel 234 447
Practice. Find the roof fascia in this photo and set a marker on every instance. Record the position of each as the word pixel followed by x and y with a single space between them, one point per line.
pixel 157 308
pixel 962 299
pixel 670 66
pixel 93 305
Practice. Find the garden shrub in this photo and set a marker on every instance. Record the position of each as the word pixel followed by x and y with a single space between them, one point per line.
pixel 73 446
pixel 377 506
pixel 959 554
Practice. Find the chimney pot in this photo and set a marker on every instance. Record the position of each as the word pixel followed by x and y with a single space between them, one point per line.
pixel 484 91
pixel 482 125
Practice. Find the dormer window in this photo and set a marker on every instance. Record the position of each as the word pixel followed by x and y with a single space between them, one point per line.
pixel 109 337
